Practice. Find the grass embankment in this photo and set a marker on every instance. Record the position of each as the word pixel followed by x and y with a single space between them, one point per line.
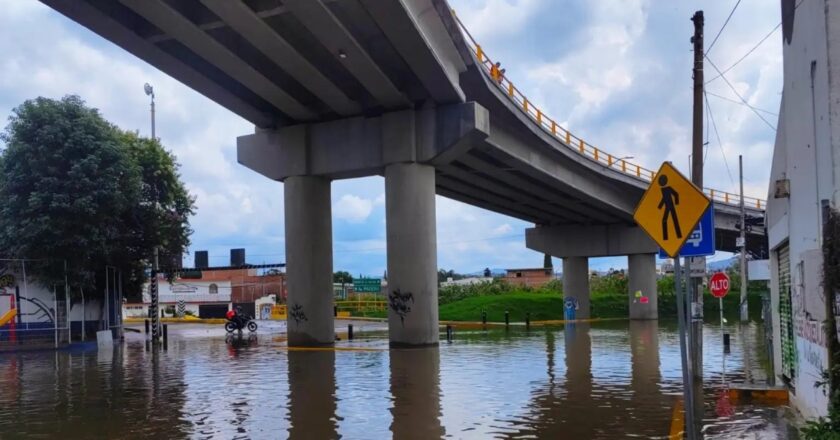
pixel 608 299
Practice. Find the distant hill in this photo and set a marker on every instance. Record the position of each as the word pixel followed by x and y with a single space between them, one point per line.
pixel 721 265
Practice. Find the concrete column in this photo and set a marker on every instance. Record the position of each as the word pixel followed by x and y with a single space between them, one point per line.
pixel 576 284
pixel 412 254
pixel 309 261
pixel 641 273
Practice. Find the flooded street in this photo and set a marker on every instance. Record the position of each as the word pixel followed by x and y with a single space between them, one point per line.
pixel 609 380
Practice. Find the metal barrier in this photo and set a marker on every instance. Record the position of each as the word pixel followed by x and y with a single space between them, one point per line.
pixel 575 143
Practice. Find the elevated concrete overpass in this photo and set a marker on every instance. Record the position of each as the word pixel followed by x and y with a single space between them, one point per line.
pixel 347 88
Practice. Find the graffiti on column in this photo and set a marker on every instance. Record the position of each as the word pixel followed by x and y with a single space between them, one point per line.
pixel 398 301
pixel 297 314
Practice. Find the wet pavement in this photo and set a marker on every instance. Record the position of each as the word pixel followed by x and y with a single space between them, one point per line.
pixel 601 381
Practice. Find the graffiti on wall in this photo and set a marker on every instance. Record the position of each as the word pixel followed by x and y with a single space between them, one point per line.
pixel 398 302
pixel 297 314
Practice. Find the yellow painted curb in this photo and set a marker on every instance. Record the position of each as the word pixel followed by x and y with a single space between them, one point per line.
pixel 332 349
pixel 773 396
pixel 178 320
pixel 677 421
pixel 548 323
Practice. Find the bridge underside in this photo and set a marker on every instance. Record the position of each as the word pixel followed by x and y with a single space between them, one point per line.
pixel 349 88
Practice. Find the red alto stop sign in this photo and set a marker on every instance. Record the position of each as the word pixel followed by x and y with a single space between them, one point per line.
pixel 719 285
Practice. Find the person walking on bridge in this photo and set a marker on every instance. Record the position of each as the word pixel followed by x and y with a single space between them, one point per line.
pixel 670 200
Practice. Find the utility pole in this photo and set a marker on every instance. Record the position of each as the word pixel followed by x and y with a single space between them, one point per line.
pixel 153 285
pixel 744 311
pixel 696 312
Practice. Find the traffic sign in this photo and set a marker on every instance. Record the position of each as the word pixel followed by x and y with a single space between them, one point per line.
pixel 670 208
pixel 701 242
pixel 719 285
pixel 367 285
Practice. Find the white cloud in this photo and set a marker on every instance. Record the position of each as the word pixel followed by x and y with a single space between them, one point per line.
pixel 618 73
pixel 353 208
pixel 502 229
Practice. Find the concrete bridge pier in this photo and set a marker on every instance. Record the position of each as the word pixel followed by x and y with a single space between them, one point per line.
pixel 641 286
pixel 412 254
pixel 576 284
pixel 576 243
pixel 309 264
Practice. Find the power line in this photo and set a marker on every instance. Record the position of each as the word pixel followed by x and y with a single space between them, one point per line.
pixel 717 135
pixel 723 27
pixel 739 95
pixel 740 103
pixel 746 54
pixel 754 47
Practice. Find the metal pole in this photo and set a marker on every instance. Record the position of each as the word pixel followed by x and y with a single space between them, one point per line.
pixel 723 356
pixel 67 305
pixel 688 401
pixel 84 313
pixel 744 311
pixel 25 289
pixel 55 315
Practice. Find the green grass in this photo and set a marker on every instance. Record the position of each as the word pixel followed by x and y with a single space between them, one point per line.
pixel 541 306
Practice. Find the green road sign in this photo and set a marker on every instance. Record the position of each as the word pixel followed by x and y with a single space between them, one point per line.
pixel 367 285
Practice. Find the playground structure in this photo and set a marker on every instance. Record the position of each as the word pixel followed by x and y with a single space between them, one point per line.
pixel 33 315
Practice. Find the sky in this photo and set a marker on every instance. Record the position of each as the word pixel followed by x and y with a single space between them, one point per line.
pixel 615 72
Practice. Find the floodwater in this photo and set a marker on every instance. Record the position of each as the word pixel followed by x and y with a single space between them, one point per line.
pixel 600 381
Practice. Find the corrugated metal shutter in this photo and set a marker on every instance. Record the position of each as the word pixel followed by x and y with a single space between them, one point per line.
pixel 785 314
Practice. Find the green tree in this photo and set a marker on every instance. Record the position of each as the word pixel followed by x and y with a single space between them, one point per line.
pixel 80 191
pixel 342 277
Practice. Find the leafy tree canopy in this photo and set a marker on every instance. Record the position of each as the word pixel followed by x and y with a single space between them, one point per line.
pixel 342 277
pixel 79 191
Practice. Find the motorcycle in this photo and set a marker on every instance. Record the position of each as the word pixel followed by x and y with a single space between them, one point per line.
pixel 236 320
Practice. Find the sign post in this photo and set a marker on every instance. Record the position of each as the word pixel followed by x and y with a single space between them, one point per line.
pixel 719 287
pixel 668 212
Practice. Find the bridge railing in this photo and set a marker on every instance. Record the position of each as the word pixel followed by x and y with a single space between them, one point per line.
pixel 575 143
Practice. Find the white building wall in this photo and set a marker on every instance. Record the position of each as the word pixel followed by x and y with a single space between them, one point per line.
pixel 804 154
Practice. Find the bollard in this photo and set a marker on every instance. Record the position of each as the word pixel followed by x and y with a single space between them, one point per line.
pixel 726 342
pixel 349 331
pixel 147 327
pixel 449 333
pixel 484 317
pixel 527 320
pixel 165 336
pixel 507 318
pixel 335 311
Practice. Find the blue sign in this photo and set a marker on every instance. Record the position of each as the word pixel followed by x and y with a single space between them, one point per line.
pixel 702 240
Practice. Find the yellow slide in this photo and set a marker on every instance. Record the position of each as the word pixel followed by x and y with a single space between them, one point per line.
pixel 8 316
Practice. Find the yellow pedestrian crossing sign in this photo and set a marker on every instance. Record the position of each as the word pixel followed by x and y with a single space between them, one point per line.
pixel 670 209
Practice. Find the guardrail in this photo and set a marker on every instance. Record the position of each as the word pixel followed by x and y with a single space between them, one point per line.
pixel 575 143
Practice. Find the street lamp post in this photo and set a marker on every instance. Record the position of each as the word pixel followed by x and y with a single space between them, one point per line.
pixel 153 285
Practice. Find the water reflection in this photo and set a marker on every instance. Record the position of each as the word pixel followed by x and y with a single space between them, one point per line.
pixel 312 395
pixel 608 380
pixel 415 390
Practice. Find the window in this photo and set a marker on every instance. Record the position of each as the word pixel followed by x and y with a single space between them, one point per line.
pixel 518 274
pixel 214 288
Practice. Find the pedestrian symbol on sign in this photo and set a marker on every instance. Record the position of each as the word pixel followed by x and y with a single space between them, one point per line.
pixel 670 199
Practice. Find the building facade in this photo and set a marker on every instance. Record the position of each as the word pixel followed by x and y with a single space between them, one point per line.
pixel 803 184
pixel 533 277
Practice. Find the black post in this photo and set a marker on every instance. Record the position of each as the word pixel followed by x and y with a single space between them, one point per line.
pixel 527 320
pixel 726 342
pixel 335 311
pixel 484 317
pixel 165 336
pixel 449 333
pixel 147 327
pixel 349 331
pixel 507 318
